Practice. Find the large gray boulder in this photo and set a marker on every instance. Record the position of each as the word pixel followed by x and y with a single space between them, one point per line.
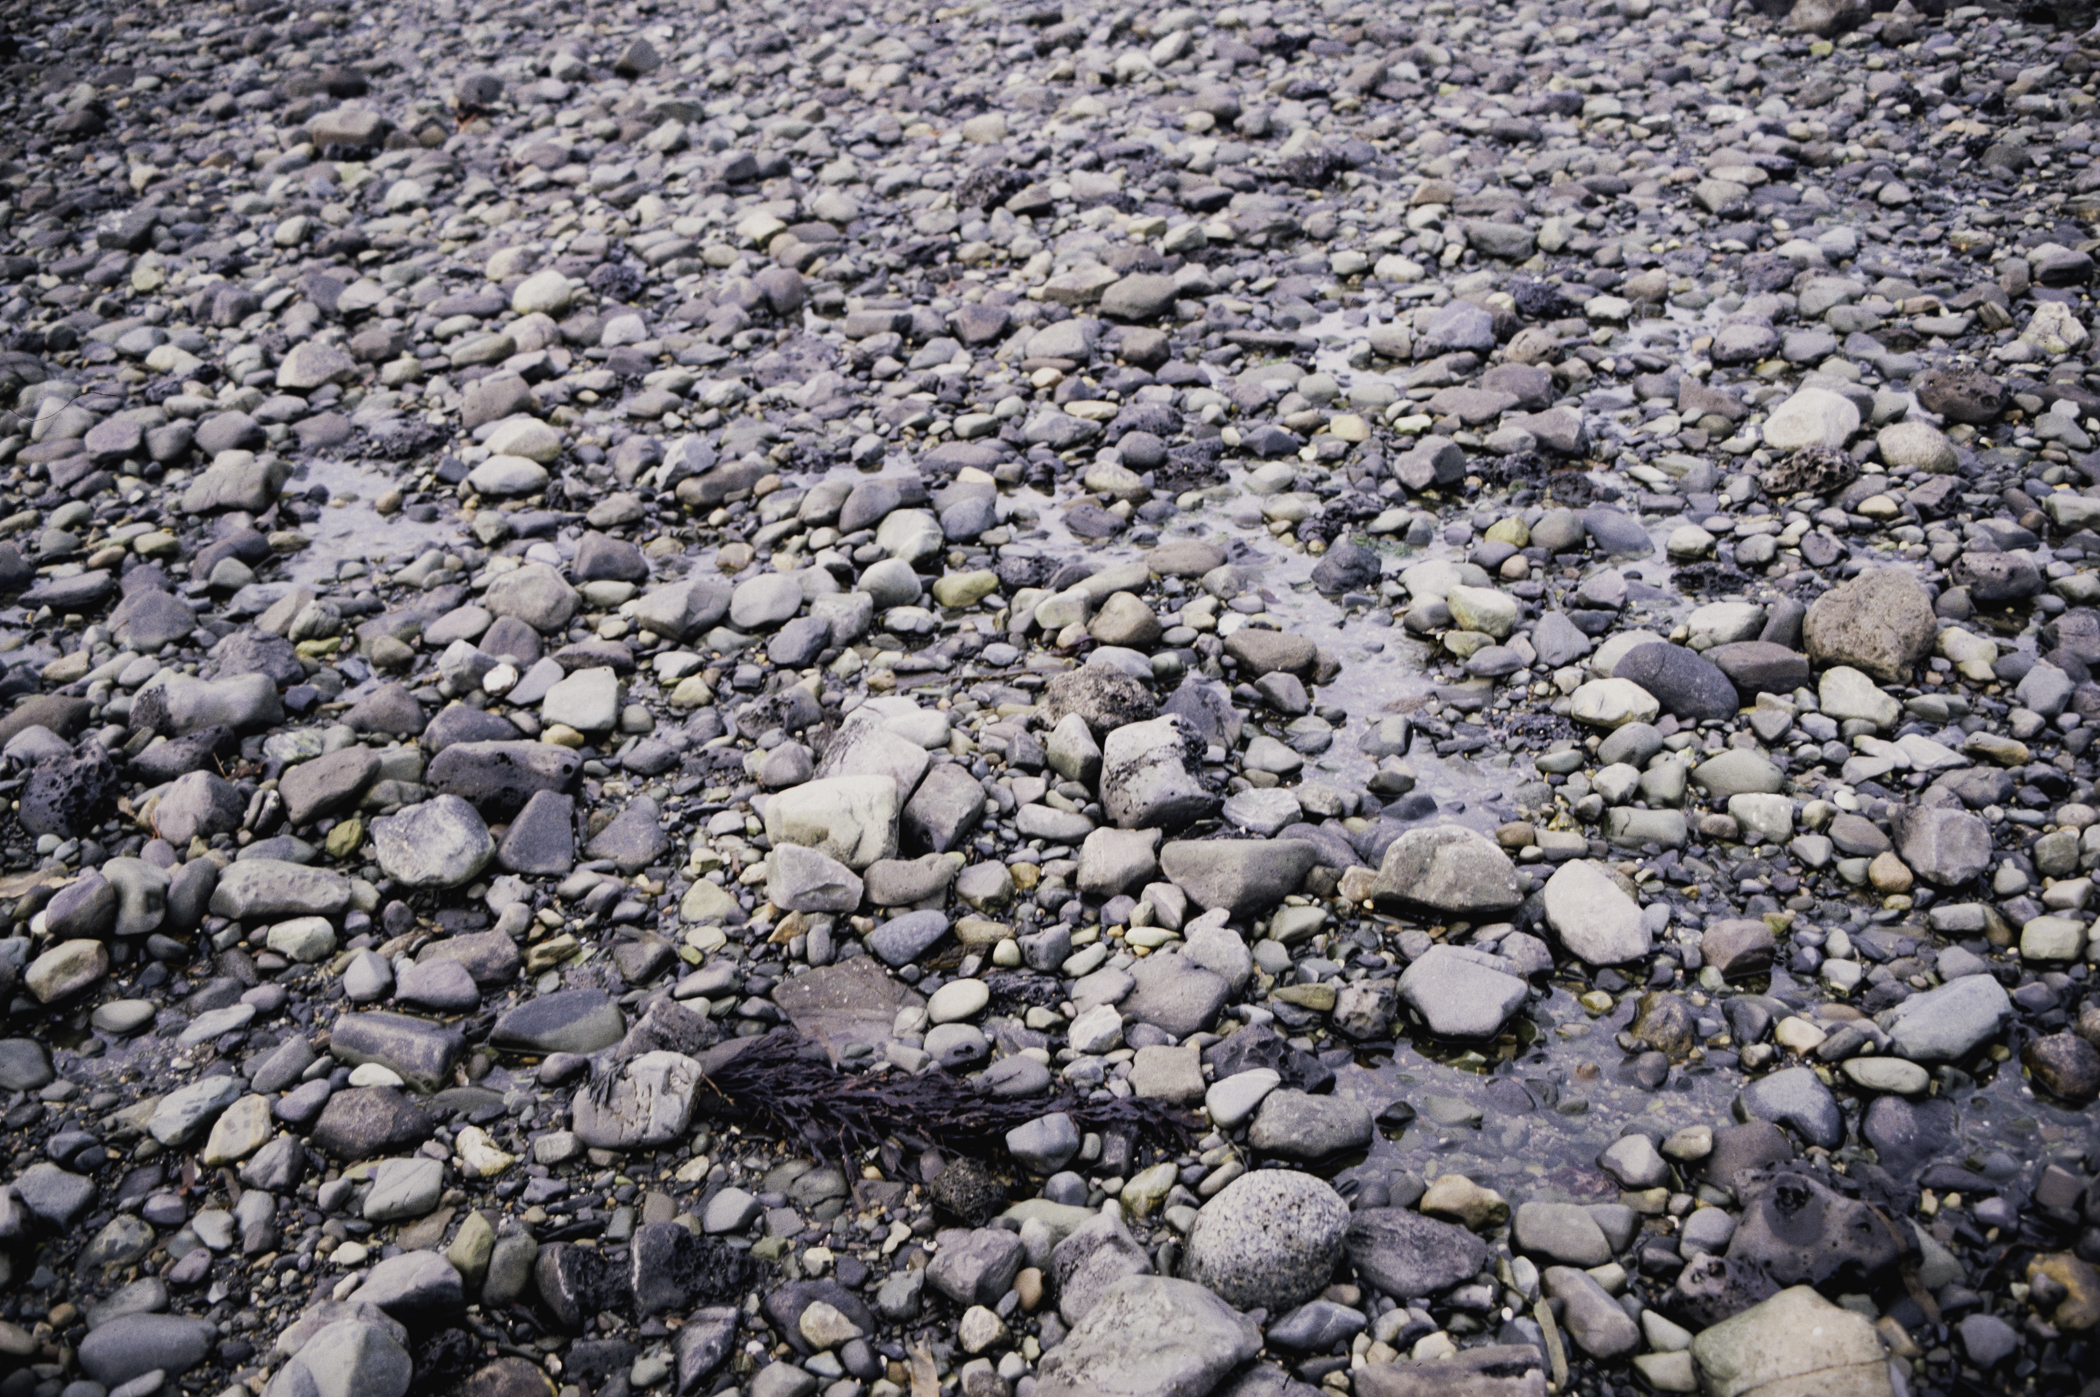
pixel 1151 775
pixel 1448 868
pixel 1881 622
pixel 1593 916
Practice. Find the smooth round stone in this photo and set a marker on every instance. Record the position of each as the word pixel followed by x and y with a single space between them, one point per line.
pixel 1235 1098
pixel 956 1044
pixel 66 969
pixel 1688 541
pixel 372 1074
pixel 25 1065
pixel 1917 444
pixel 120 1018
pixel 1889 1074
pixel 958 1000
pixel 303 939
pixel 504 477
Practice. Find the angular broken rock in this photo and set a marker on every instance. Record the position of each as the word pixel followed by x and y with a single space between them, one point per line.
pixel 439 843
pixel 1461 992
pixel 646 1104
pixel 1151 775
pixel 1795 1342
pixel 1149 1336
pixel 852 819
pixel 1880 622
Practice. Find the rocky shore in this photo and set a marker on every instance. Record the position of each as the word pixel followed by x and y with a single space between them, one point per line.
pixel 1048 700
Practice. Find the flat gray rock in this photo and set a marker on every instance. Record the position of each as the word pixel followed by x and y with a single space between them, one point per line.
pixel 135 1344
pixel 1409 1256
pixel 1948 1023
pixel 1148 1336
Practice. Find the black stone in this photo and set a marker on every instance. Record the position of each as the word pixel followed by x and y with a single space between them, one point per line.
pixel 1798 1230
pixel 1909 1135
pixel 69 795
pixel 1261 1046
pixel 577 1284
pixel 366 1122
pixel 1685 684
pixel 670 1026
pixel 592 1361
pixel 1712 1288
pixel 1760 667
pixel 1347 567
pixel 702 1346
pixel 1960 394
pixel 2067 1065
pixel 672 1269
pixel 498 777
pixel 969 1191
pixel 507 1377
pixel 1751 1145
pixel 1408 1256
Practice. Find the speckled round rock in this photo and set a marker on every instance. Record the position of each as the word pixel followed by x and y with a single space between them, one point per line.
pixel 1269 1240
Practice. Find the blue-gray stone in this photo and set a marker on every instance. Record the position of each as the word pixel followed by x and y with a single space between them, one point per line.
pixel 902 940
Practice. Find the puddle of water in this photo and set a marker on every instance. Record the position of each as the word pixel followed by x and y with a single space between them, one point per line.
pixel 356 531
pixel 1549 1104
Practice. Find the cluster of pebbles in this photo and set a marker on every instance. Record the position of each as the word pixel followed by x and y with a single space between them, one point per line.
pixel 1048 699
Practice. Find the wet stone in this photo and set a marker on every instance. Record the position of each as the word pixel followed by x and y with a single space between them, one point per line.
pixel 576 1021
pixel 1408 1256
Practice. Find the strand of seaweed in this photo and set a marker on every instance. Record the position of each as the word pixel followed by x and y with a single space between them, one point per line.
pixel 774 1082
